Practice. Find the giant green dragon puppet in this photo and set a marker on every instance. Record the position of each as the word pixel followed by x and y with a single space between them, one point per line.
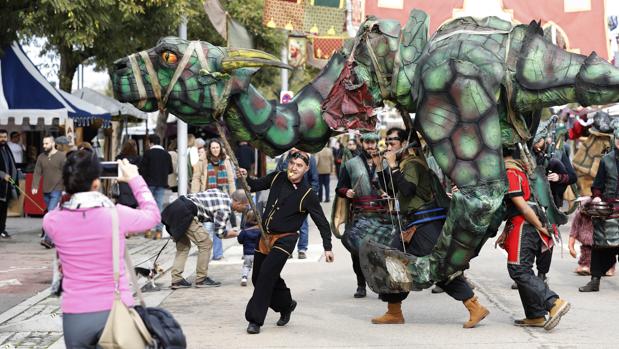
pixel 475 85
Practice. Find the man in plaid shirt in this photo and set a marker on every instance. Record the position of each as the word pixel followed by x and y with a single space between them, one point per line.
pixel 212 206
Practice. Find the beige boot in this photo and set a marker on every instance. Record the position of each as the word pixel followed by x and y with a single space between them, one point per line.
pixel 392 316
pixel 477 312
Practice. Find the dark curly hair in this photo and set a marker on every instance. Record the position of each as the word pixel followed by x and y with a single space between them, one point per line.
pixel 81 168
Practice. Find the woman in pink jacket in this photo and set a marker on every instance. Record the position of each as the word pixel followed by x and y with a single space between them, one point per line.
pixel 82 232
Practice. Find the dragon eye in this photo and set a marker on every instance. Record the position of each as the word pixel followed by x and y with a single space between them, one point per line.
pixel 169 57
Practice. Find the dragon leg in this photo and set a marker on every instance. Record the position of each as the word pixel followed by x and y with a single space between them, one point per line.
pixel 459 119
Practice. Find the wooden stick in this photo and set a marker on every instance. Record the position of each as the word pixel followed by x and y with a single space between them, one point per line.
pixel 219 111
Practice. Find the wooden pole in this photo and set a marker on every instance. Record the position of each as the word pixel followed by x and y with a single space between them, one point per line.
pixel 219 112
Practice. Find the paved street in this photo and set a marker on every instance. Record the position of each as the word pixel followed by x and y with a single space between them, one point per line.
pixel 327 315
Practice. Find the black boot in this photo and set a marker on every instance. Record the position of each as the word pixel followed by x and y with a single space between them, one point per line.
pixel 591 286
pixel 253 328
pixel 360 292
pixel 284 317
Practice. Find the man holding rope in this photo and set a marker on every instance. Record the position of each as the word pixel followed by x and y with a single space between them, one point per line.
pixel 423 209
pixel 290 201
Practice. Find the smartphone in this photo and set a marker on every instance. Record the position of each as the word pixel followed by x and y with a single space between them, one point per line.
pixel 110 169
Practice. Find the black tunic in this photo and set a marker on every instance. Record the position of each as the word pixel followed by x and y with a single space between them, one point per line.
pixel 287 206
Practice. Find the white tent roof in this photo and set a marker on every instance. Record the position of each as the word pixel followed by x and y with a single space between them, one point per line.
pixel 110 104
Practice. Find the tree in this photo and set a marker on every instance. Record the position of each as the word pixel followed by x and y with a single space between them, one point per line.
pixel 99 31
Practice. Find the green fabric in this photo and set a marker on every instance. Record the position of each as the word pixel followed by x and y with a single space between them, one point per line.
pixel 605 232
pixel 416 172
pixel 370 136
pixel 359 179
pixel 610 165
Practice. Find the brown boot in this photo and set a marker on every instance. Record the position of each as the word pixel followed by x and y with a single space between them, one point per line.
pixel 533 322
pixel 477 312
pixel 559 308
pixel 392 316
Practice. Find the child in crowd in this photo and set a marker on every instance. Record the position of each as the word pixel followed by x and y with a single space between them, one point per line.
pixel 248 237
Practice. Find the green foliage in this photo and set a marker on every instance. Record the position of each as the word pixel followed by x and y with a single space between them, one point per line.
pixel 97 30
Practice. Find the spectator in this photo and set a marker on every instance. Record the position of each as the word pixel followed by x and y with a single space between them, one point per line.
pixel 62 144
pixel 155 167
pixel 248 237
pixel 311 176
pixel 183 218
pixel 214 172
pixel 88 146
pixel 324 164
pixel 351 150
pixel 81 229
pixel 17 148
pixel 192 150
pixel 246 155
pixel 8 170
pixel 49 166
pixel 173 177
pixel 130 152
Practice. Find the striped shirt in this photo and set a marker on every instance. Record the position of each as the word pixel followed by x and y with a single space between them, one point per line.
pixel 213 206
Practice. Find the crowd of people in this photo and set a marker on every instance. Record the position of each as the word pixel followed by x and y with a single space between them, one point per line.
pixel 372 174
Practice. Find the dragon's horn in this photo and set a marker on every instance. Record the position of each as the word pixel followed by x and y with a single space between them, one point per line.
pixel 246 58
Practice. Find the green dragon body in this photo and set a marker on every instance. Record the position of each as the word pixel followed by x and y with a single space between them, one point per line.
pixel 474 86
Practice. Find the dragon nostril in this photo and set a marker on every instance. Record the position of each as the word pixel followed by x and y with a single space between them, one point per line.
pixel 121 64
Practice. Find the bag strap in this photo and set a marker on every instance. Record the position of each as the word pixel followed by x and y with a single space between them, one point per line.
pixel 115 249
pixel 116 256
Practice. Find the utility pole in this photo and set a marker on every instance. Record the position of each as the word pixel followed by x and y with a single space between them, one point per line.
pixel 181 131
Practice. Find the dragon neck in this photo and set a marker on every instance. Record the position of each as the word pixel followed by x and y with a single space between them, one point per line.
pixel 274 127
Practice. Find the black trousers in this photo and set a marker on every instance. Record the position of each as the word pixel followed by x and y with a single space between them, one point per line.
pixel 4 206
pixel 356 266
pixel 543 262
pixel 537 299
pixel 323 181
pixel 270 290
pixel 602 259
pixel 422 244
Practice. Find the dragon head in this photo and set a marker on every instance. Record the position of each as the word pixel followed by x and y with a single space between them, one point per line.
pixel 188 78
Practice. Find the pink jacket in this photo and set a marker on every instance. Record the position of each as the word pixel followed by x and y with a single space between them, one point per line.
pixel 83 239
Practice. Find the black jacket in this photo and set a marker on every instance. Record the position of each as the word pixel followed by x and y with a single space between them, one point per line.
pixel 155 167
pixel 177 217
pixel 287 206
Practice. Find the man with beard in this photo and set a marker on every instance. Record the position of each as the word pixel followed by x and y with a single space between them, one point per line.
pixel 49 166
pixel 605 231
pixel 423 209
pixel 358 183
pixel 7 171
pixel 290 201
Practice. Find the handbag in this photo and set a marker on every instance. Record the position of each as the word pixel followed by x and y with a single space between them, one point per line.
pixel 164 329
pixel 124 328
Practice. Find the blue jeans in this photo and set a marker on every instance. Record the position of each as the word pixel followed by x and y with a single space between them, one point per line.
pixel 218 248
pixel 158 193
pixel 51 202
pixel 303 236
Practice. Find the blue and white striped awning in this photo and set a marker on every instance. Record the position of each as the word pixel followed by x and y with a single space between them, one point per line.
pixel 25 93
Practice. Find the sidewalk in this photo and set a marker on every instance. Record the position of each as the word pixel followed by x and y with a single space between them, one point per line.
pixel 36 322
